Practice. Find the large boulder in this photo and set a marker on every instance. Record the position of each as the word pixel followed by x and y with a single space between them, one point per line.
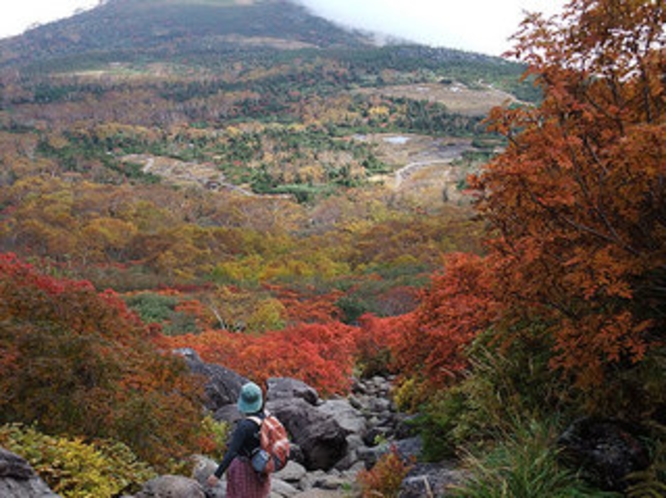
pixel 19 480
pixel 348 417
pixel 319 436
pixel 431 479
pixel 222 385
pixel 204 467
pixel 288 388
pixel 605 450
pixel 169 486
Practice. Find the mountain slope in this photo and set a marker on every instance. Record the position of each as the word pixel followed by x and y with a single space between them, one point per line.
pixel 159 28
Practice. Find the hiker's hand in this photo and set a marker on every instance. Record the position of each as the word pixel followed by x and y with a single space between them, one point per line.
pixel 213 480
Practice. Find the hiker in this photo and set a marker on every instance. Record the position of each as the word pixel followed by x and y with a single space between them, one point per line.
pixel 242 480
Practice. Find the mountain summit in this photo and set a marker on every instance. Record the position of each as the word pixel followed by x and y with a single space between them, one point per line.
pixel 126 29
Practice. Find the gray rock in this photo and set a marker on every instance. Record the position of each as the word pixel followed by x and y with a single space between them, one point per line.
pixel 321 439
pixel 354 442
pixel 350 419
pixel 348 461
pixel 19 480
pixel 355 402
pixel 319 493
pixel 372 455
pixel 374 436
pixel 227 413
pixel 409 448
pixel 380 405
pixel 292 472
pixel 331 481
pixel 170 486
pixel 203 468
pixel 12 465
pixel 311 478
pixel 222 385
pixel 282 489
pixel 606 451
pixel 430 480
pixel 286 388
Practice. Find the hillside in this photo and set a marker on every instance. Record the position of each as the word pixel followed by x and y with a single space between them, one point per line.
pixel 252 117
pixel 288 199
pixel 162 28
pixel 211 35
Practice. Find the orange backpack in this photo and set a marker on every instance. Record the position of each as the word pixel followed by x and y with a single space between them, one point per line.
pixel 273 452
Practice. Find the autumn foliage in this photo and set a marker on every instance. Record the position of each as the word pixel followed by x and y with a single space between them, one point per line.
pixel 577 199
pixel 385 478
pixel 430 342
pixel 74 361
pixel 320 354
pixel 571 275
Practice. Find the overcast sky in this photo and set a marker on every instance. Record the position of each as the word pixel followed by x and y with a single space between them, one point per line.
pixel 473 25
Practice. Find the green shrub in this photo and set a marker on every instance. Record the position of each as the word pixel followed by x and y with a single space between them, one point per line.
pixel 153 308
pixel 501 385
pixel 217 434
pixel 75 469
pixel 156 308
pixel 651 483
pixel 437 424
pixel 523 464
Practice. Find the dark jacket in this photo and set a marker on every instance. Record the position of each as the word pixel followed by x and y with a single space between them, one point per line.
pixel 244 441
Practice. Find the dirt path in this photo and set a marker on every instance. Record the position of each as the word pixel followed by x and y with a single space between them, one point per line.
pixel 406 171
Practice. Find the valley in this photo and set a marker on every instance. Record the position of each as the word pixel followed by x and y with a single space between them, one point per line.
pixel 288 199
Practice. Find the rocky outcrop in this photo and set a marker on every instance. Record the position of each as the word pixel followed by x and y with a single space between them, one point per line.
pixel 287 388
pixel 320 438
pixel 606 451
pixel 332 439
pixel 19 480
pixel 222 385
pixel 430 479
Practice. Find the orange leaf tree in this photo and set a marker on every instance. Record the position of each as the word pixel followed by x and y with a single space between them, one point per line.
pixel 77 362
pixel 429 343
pixel 578 197
pixel 320 354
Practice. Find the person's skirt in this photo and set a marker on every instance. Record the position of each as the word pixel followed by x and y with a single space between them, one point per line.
pixel 244 482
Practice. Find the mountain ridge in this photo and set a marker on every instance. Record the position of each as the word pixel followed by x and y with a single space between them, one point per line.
pixel 165 30
pixel 160 27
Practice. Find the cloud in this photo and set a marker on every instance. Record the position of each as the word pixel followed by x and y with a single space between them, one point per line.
pixel 26 13
pixel 474 25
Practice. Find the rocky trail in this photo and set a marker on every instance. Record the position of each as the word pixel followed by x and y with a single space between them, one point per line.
pixel 332 441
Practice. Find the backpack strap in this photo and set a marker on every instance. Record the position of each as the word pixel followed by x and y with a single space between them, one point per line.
pixel 255 419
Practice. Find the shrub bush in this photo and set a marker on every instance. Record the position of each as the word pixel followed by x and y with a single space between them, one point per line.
pixel 75 469
pixel 523 464
pixel 74 361
pixel 386 477
pixel 502 384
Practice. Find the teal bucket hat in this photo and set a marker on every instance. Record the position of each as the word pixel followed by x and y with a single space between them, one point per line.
pixel 250 398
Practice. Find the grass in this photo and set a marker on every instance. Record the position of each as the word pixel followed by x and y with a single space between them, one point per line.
pixel 524 464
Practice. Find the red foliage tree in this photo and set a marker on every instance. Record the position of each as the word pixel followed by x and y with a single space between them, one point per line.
pixel 309 306
pixel 322 355
pixel 79 363
pixel 429 344
pixel 578 199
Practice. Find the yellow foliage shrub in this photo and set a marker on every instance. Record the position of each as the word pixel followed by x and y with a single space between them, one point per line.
pixel 76 469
